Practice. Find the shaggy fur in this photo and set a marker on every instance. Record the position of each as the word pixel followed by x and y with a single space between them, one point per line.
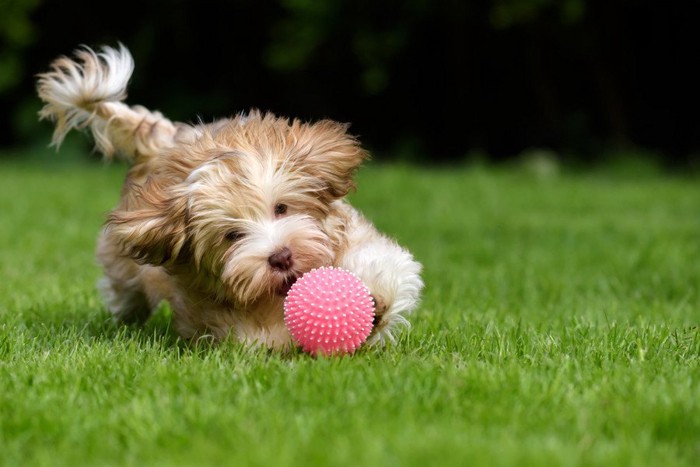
pixel 220 219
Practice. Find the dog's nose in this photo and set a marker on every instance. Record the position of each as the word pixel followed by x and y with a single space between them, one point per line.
pixel 281 259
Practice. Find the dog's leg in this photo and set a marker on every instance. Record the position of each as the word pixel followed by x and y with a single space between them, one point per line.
pixel 390 273
pixel 122 286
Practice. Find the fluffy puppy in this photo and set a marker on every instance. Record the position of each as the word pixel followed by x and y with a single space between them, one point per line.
pixel 220 219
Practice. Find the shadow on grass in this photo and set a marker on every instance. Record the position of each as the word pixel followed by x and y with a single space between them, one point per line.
pixel 48 323
pixel 58 325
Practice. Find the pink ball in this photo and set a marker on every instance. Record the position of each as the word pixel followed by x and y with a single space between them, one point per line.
pixel 329 311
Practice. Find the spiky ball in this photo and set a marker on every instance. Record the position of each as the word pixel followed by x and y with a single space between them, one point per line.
pixel 329 311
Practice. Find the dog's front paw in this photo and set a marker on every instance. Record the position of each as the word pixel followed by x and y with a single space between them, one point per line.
pixel 380 308
pixel 396 293
pixel 393 279
pixel 382 324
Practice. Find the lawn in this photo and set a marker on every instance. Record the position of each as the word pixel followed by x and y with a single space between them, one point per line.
pixel 559 326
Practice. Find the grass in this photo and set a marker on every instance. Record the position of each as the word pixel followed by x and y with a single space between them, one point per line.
pixel 559 327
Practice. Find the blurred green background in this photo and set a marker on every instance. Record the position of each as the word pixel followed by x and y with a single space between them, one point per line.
pixel 573 81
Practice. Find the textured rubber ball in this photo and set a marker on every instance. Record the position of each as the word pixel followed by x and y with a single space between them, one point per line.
pixel 329 311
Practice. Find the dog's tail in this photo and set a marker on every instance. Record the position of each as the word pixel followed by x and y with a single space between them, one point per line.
pixel 87 92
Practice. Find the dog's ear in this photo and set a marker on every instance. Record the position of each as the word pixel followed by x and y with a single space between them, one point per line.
pixel 329 153
pixel 155 232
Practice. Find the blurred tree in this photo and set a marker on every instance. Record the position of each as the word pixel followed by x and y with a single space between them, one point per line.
pixel 422 79
pixel 507 13
pixel 16 34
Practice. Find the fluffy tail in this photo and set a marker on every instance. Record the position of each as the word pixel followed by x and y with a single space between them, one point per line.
pixel 86 92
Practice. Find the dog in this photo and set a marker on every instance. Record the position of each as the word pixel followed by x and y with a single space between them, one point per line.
pixel 220 219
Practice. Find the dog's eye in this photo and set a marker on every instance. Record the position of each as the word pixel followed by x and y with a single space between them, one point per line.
pixel 280 209
pixel 233 235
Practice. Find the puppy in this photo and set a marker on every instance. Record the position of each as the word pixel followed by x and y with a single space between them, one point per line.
pixel 220 219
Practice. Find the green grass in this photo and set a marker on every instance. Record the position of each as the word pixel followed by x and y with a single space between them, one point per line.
pixel 559 327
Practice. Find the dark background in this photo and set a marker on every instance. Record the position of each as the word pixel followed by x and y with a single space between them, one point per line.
pixel 428 81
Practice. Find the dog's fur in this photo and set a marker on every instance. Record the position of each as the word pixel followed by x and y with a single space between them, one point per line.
pixel 219 219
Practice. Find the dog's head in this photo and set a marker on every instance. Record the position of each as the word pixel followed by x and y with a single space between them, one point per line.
pixel 243 206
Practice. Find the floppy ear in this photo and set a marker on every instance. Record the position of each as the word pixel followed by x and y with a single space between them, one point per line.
pixel 153 234
pixel 326 151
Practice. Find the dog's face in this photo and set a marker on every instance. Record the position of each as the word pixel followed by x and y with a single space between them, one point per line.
pixel 243 206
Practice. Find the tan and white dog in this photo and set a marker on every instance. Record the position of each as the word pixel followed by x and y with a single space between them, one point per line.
pixel 220 219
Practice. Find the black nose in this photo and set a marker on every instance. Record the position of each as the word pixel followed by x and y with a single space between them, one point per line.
pixel 281 259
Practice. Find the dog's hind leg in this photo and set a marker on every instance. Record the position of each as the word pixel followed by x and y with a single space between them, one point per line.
pixel 122 286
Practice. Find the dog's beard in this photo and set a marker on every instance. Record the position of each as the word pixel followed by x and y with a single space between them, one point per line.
pixel 247 274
